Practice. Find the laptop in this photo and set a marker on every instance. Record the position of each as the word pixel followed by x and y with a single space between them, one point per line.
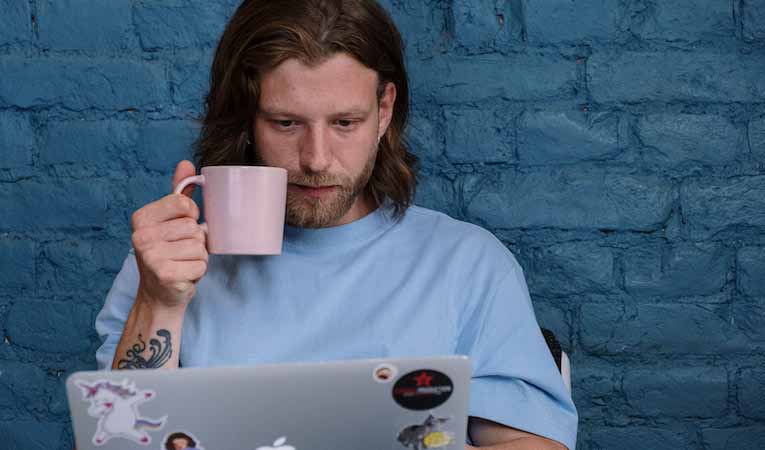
pixel 409 403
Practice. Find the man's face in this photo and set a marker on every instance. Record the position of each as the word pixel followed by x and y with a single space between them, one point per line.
pixel 180 443
pixel 322 124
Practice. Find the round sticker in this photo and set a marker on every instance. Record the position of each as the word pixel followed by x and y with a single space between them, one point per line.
pixel 422 389
pixel 384 373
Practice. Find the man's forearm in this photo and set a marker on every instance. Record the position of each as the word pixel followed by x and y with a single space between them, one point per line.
pixel 151 338
pixel 530 443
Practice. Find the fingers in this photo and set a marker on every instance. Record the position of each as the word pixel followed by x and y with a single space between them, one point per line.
pixel 183 170
pixel 170 207
pixel 185 250
pixel 178 276
pixel 173 230
pixel 171 262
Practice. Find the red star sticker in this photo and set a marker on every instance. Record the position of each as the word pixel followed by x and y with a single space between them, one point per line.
pixel 423 379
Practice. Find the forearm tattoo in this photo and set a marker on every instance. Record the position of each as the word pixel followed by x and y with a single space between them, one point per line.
pixel 159 353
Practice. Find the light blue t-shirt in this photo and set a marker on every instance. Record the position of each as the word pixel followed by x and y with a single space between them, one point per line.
pixel 425 285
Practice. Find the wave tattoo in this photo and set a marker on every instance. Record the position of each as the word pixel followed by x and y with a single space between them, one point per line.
pixel 160 353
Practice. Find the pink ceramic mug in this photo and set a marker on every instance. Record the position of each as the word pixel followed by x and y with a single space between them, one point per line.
pixel 244 208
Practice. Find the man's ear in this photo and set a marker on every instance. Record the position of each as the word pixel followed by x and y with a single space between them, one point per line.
pixel 387 102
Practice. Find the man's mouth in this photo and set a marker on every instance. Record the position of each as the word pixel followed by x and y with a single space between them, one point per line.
pixel 313 191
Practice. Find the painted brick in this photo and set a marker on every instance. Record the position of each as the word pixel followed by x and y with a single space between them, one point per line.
pixel 689 20
pixel 89 142
pixel 556 137
pixel 5 306
pixel 749 317
pixel 165 143
pixel 757 138
pixel 450 80
pixel 144 189
pixel 561 20
pixel 84 24
pixel 486 24
pixel 178 23
pixel 594 387
pixel 423 21
pixel 436 193
pixel 15 22
pixel 83 83
pixel 478 135
pixel 8 402
pixel 572 199
pixel 753 20
pixel 751 393
pixel 48 326
pixel 660 329
pixel 569 268
pixel 675 139
pixel 27 384
pixel 30 205
pixel 672 391
pixel 81 266
pixel 636 437
pixel 676 271
pixel 712 205
pixel 676 76
pixel 739 438
pixel 59 405
pixel 31 435
pixel 424 138
pixel 751 271
pixel 17 140
pixel 554 319
pixel 190 81
pixel 17 264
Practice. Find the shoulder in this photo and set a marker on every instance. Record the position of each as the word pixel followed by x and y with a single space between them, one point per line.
pixel 471 242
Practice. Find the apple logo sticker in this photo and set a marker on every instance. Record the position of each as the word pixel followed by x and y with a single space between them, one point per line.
pixel 278 445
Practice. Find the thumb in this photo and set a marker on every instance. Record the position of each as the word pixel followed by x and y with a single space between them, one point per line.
pixel 183 170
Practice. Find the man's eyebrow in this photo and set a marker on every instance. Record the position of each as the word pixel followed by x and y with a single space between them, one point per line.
pixel 275 112
pixel 352 111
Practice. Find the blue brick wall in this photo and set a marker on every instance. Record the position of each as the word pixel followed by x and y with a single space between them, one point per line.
pixel 616 147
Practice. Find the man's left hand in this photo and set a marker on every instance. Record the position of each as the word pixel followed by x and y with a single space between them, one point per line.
pixel 495 436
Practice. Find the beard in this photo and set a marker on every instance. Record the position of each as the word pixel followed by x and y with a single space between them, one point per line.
pixel 311 212
pixel 318 212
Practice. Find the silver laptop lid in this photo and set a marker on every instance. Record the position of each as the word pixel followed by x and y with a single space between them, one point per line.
pixel 412 403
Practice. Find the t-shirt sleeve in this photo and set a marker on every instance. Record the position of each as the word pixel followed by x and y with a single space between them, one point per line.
pixel 110 321
pixel 515 380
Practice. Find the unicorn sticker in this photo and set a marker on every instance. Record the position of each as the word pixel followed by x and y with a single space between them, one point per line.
pixel 116 407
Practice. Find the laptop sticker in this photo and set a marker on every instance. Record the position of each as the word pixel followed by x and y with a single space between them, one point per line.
pixel 429 434
pixel 181 440
pixel 422 390
pixel 384 373
pixel 279 444
pixel 116 408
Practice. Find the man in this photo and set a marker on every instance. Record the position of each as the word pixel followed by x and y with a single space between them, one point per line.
pixel 319 87
pixel 180 441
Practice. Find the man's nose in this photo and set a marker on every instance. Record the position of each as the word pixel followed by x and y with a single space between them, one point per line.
pixel 315 151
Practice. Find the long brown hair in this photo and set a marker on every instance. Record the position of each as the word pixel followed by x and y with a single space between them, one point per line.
pixel 264 33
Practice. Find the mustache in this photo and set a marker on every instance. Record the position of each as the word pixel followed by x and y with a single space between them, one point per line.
pixel 316 180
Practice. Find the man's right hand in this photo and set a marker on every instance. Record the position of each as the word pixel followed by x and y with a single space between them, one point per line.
pixel 170 246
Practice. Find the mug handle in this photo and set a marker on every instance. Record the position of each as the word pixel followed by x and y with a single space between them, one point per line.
pixel 199 180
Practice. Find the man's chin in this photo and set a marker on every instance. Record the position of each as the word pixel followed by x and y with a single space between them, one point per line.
pixel 313 212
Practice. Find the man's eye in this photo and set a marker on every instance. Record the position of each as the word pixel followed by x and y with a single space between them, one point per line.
pixel 345 123
pixel 284 123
